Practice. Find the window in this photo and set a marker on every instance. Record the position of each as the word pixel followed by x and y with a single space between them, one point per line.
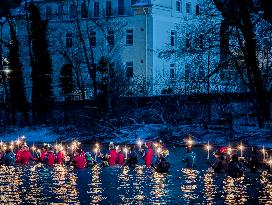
pixel 172 71
pixel 201 72
pixel 201 41
pixel 96 9
pixel 72 11
pixel 60 12
pixel 187 41
pixel 129 37
pixel 121 7
pixel 173 38
pixel 129 69
pixel 108 8
pixel 111 69
pixel 110 38
pixel 197 10
pixel 178 6
pixel 187 72
pixel 69 40
pixel 93 38
pixel 133 2
pixel 188 7
pixel 48 12
pixel 84 11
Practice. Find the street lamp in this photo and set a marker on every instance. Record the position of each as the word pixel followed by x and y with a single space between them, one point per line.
pixel 5 71
pixel 5 66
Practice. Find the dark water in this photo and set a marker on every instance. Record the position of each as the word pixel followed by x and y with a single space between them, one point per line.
pixel 113 185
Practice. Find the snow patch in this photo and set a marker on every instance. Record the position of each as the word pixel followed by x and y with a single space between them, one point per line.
pixel 32 134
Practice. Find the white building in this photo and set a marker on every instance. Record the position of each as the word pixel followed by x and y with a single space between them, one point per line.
pixel 137 30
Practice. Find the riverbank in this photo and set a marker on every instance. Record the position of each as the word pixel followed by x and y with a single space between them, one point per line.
pixel 170 134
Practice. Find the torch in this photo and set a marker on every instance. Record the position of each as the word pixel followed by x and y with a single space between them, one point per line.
pixel 263 151
pixel 140 143
pixel 241 148
pixel 208 148
pixel 126 151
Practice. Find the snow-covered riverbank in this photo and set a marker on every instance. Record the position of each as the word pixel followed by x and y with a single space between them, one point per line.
pixel 130 134
pixel 33 134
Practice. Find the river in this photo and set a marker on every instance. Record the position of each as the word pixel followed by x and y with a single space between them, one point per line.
pixel 38 184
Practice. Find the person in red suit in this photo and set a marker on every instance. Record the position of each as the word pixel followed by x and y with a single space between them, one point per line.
pixel 79 159
pixel 112 156
pixel 50 157
pixel 26 156
pixel 60 157
pixel 148 154
pixel 43 154
pixel 121 157
pixel 18 155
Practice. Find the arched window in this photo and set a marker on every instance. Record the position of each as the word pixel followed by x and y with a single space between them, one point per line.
pixel 48 12
pixel 69 40
pixel 84 10
pixel 72 11
pixel 93 38
pixel 197 10
pixel 111 38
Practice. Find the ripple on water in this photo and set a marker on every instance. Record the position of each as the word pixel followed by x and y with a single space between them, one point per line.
pixel 38 184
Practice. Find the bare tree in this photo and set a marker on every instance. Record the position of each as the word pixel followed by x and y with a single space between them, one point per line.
pixel 225 38
pixel 87 49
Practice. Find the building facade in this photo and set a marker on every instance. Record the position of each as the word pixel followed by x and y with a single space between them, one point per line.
pixel 131 33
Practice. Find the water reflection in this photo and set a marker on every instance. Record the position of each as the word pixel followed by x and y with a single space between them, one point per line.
pixel 139 184
pixel 64 182
pixel 38 184
pixel 71 185
pixel 266 194
pixel 34 192
pixel 189 185
pixel 235 190
pixel 9 182
pixel 96 188
pixel 125 181
pixel 158 188
pixel 209 187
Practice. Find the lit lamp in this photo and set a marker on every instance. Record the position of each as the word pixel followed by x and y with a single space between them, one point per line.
pixel 33 148
pixel 11 145
pixel 126 151
pixel 6 69
pixel 208 148
pixel 18 143
pixel 159 150
pixel 263 151
pixel 229 150
pixel 96 150
pixel 190 142
pixel 241 148
pixel 270 162
pixel 139 143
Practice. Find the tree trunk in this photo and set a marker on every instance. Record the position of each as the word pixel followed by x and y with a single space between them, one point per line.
pixel 254 72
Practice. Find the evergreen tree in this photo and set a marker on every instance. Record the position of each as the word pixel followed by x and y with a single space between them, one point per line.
pixel 6 5
pixel 41 62
pixel 18 102
pixel 66 80
pixel 105 75
pixel 106 82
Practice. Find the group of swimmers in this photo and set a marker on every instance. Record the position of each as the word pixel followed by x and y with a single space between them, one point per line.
pixel 228 162
pixel 225 162
pixel 74 155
